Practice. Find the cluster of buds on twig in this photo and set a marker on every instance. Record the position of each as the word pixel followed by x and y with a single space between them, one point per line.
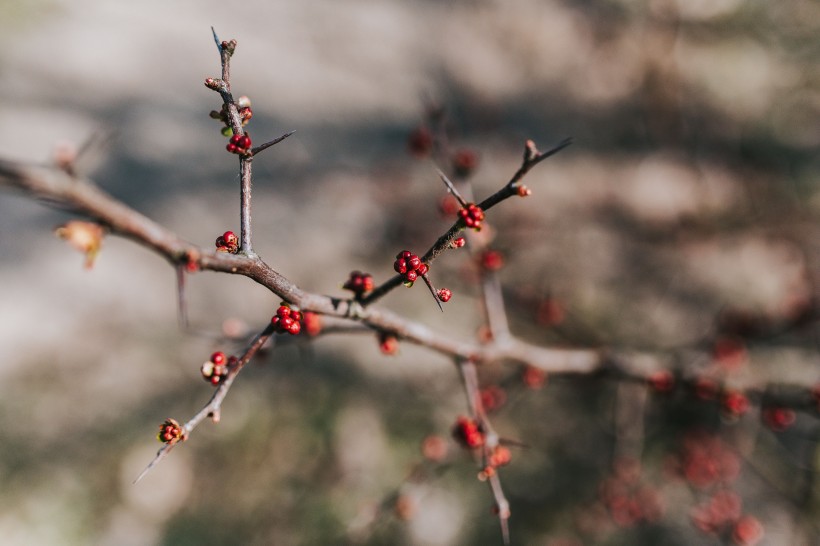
pixel 227 242
pixel 468 433
pixel 170 432
pixel 472 216
pixel 409 266
pixel 217 368
pixel 287 320
pixel 239 144
pixel 243 106
pixel 359 283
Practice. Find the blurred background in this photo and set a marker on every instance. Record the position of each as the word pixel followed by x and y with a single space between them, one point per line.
pixel 683 218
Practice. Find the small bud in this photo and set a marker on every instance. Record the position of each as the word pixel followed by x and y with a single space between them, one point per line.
pixel 492 260
pixel 523 191
pixel 84 236
pixel 465 162
pixel 388 344
pixel 444 295
pixel 243 102
pixel 420 142
pixel 170 432
pixel 312 323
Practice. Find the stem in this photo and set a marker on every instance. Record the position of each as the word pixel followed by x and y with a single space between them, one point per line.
pixel 245 164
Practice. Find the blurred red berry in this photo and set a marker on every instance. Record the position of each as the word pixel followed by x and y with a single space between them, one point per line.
pixel 778 418
pixel 533 378
pixel 465 162
pixel 662 381
pixel 420 142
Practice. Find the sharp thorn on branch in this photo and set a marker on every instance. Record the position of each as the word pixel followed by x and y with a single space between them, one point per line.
pixel 216 39
pixel 554 150
pixel 432 291
pixel 161 454
pixel 267 145
pixel 452 189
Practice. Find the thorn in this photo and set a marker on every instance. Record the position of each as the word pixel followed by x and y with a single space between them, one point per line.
pixel 554 150
pixel 451 187
pixel 161 454
pixel 216 39
pixel 267 145
pixel 433 292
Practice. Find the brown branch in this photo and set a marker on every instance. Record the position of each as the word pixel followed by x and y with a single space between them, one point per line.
pixel 90 200
pixel 214 405
pixel 469 377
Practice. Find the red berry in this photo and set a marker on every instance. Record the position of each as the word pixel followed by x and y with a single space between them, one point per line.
pixel 218 358
pixel 748 531
pixel 533 378
pixel 235 139
pixel 468 433
pixel 464 162
pixel 459 242
pixel 778 418
pixel 500 456
pixel 662 381
pixel 294 328
pixel 734 403
pixel 232 148
pixel 411 276
pixel 388 344
pixel 230 238
pixel 285 323
pixel 422 269
pixel 413 262
pixel 313 323
pixel 420 142
pixel 492 260
pixel 283 311
pixel 444 295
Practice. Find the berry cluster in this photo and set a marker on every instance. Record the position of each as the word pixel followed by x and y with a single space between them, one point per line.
pixel 169 432
pixel 409 266
pixel 243 105
pixel 227 242
pixel 359 283
pixel 239 144
pixel 627 498
pixel 472 215
pixel 468 433
pixel 287 320
pixel 216 369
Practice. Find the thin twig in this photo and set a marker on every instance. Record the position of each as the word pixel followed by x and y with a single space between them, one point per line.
pixel 268 144
pixel 212 408
pixel 451 188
